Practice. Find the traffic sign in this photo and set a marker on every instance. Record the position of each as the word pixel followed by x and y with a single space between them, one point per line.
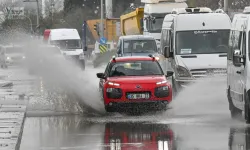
pixel 103 48
pixel 103 40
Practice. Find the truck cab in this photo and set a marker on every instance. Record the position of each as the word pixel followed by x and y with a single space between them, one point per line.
pixel 154 13
pixel 194 42
pixel 136 45
pixel 238 66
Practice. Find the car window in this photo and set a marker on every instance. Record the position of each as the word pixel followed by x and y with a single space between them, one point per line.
pixel 135 68
pixel 140 46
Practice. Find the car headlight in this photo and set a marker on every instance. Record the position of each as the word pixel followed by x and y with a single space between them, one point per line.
pixel 162 82
pixel 163 88
pixel 8 58
pixel 114 93
pixel 24 57
pixel 182 71
pixel 115 90
pixel 162 91
pixel 112 83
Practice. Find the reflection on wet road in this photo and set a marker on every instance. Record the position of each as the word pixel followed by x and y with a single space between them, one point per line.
pixel 75 133
pixel 194 122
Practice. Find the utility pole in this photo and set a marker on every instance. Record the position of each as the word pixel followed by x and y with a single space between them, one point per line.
pixel 37 15
pixel 102 17
pixel 226 6
pixel 37 21
pixel 109 8
pixel 52 10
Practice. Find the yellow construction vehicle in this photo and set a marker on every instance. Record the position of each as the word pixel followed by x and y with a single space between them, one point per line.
pixel 131 23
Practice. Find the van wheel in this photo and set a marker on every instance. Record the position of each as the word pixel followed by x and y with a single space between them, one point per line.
pixel 235 112
pixel 247 108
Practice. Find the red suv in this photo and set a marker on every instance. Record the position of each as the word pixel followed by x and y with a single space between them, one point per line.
pixel 134 81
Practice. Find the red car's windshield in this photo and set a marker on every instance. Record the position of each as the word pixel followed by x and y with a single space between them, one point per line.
pixel 135 68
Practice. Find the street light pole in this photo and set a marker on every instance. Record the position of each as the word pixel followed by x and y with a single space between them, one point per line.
pixel 226 6
pixel 37 5
pixel 102 16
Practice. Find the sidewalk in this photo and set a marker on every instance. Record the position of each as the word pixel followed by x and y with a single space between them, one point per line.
pixel 12 116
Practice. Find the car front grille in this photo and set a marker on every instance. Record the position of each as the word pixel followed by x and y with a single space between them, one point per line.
pixel 199 73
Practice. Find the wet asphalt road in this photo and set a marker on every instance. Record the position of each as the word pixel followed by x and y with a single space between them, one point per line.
pixel 199 122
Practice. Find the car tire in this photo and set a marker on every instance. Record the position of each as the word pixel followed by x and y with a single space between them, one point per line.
pixel 109 109
pixel 235 112
pixel 247 108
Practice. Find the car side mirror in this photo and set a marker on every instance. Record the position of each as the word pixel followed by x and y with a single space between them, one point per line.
pixel 100 75
pixel 169 73
pixel 237 58
pixel 167 52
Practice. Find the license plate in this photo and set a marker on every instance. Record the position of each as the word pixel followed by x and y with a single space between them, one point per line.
pixel 138 96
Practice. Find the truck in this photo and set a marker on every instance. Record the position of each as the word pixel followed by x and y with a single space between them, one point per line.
pixel 111 34
pixel 148 20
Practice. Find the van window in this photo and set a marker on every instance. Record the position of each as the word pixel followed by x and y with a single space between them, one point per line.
pixel 230 44
pixel 164 38
pixel 67 44
pixel 244 43
pixel 202 42
pixel 249 45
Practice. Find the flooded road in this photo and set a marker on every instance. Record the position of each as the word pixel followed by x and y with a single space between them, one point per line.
pixel 75 133
pixel 68 115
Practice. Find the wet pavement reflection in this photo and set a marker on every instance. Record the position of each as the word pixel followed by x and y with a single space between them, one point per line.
pixel 75 133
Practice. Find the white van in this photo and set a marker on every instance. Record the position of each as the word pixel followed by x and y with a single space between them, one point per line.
pixel 69 42
pixel 194 42
pixel 238 66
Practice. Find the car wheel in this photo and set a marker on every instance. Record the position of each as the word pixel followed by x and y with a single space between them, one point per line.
pixel 109 109
pixel 235 112
pixel 247 108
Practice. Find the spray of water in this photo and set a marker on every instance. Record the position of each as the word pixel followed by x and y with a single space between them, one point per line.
pixel 57 71
pixel 204 97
